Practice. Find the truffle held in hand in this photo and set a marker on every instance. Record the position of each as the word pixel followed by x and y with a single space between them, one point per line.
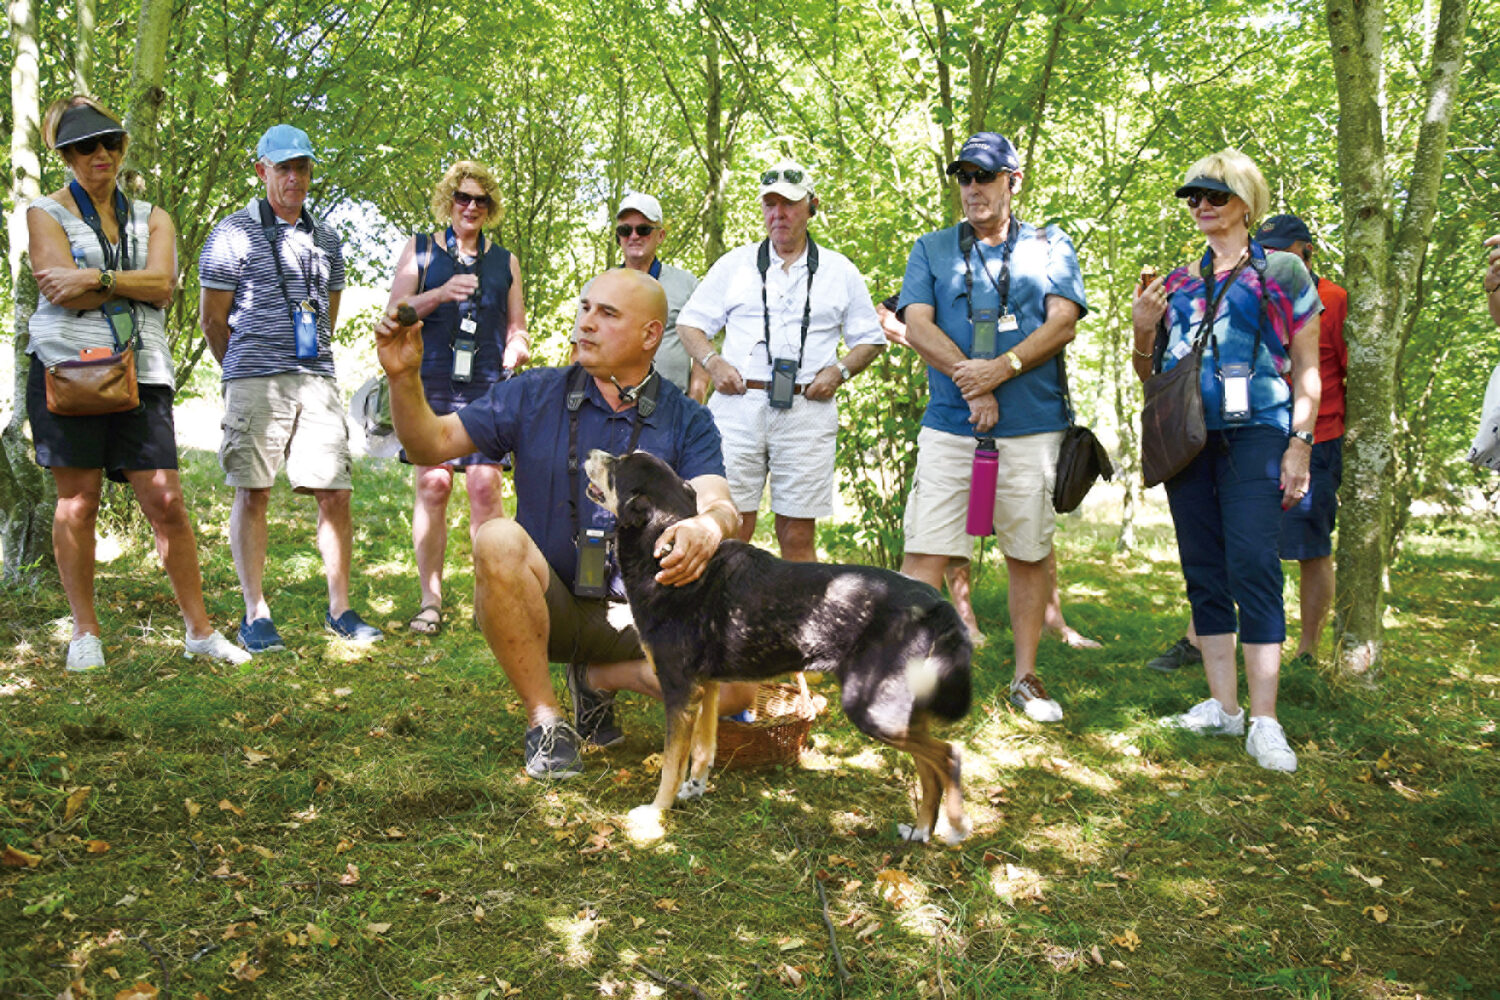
pixel 406 315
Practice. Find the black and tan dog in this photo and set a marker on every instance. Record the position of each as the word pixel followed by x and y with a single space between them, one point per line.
pixel 898 649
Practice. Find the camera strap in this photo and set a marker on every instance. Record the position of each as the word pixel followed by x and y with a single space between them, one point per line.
pixel 469 308
pixel 1002 284
pixel 578 384
pixel 272 227
pixel 116 258
pixel 763 264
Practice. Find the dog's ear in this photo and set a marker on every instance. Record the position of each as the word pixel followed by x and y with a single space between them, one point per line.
pixel 690 491
pixel 635 511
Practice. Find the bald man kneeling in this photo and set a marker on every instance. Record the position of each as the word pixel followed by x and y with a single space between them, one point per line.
pixel 547 589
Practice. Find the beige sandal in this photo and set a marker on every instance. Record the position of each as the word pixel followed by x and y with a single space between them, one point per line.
pixel 426 626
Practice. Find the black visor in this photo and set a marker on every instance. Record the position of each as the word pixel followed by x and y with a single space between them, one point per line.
pixel 83 122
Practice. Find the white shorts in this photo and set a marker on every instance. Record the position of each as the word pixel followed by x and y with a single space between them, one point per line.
pixel 793 447
pixel 937 509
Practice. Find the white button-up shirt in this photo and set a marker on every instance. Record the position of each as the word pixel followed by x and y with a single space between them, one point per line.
pixel 729 300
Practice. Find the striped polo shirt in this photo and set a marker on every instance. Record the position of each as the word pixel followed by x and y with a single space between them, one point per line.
pixel 237 257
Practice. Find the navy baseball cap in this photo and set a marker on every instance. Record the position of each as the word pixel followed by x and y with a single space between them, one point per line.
pixel 1279 232
pixel 987 151
pixel 1205 184
pixel 284 142
pixel 82 122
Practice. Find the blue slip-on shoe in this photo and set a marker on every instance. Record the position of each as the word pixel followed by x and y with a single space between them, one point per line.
pixel 352 627
pixel 260 636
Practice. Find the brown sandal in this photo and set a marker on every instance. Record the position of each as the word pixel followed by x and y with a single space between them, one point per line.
pixel 426 626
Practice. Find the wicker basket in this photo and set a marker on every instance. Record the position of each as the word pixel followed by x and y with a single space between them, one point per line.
pixel 784 715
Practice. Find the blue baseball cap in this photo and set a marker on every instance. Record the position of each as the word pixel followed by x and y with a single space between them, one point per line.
pixel 987 151
pixel 282 143
pixel 1279 232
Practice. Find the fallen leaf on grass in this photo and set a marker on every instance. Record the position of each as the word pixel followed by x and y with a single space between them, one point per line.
pixel 113 973
pixel 1129 940
pixel 1212 911
pixel 1377 913
pixel 479 914
pixel 374 930
pixel 193 808
pixel 237 930
pixel 253 757
pixel 350 876
pixel 667 905
pixel 395 833
pixel 1096 955
pixel 243 969
pixel 226 806
pixel 1373 881
pixel 96 846
pixel 342 846
pixel 317 935
pixel 1406 792
pixel 14 857
pixel 897 888
pixel 140 991
pixel 77 798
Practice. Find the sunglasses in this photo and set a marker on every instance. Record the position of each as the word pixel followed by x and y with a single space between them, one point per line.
pixel 464 198
pixel 774 176
pixel 1218 199
pixel 112 142
pixel 623 230
pixel 967 177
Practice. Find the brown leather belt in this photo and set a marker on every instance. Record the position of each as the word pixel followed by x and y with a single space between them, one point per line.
pixel 751 383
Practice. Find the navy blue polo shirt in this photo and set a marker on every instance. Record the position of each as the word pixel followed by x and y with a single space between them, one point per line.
pixel 529 415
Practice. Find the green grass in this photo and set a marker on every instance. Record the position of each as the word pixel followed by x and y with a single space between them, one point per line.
pixel 1185 869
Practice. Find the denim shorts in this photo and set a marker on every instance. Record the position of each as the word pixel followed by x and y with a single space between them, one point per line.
pixel 1307 527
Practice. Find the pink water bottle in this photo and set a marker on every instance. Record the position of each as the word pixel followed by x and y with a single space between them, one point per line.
pixel 982 488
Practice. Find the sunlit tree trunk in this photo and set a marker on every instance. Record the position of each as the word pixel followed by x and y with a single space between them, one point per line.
pixel 83 47
pixel 145 98
pixel 26 495
pixel 1383 257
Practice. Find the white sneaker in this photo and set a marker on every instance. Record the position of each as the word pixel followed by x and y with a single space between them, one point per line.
pixel 1267 744
pixel 1028 694
pixel 1208 718
pixel 85 653
pixel 215 647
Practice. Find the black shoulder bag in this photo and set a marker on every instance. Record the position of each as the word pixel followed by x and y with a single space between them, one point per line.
pixel 1081 459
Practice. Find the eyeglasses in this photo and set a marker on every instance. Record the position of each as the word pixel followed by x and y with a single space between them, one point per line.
pixel 112 142
pixel 463 199
pixel 775 176
pixel 967 177
pixel 1218 199
pixel 623 230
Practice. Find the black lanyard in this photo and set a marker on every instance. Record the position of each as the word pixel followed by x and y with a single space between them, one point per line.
pixel 763 262
pixel 469 306
pixel 115 259
pixel 1253 255
pixel 1002 285
pixel 272 228
pixel 645 405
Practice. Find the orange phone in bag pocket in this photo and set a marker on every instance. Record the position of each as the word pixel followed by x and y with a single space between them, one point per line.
pixel 95 353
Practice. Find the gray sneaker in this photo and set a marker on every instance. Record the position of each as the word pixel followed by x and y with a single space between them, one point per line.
pixel 552 751
pixel 1181 653
pixel 593 711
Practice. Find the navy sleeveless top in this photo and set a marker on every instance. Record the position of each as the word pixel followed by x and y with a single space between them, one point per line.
pixel 441 325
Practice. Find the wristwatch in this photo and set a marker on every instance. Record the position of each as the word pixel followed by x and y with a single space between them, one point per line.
pixel 843 370
pixel 106 281
pixel 1015 362
pixel 1303 436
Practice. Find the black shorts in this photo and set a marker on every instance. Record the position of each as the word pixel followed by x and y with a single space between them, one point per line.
pixel 142 438
pixel 581 630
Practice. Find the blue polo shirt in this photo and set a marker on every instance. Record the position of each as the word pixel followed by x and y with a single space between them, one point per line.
pixel 529 416
pixel 1042 263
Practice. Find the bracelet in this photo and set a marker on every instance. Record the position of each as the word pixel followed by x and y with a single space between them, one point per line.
pixel 707 358
pixel 1140 353
pixel 1491 291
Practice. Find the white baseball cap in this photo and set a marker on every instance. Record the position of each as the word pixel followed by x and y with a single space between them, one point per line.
pixel 787 178
pixel 643 203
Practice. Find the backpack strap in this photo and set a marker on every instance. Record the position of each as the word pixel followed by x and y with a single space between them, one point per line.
pixel 424 258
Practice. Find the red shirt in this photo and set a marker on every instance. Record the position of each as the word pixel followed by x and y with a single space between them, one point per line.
pixel 1333 360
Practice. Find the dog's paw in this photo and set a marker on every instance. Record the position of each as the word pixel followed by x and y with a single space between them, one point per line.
pixel 643 825
pixel 693 788
pixel 912 834
pixel 952 834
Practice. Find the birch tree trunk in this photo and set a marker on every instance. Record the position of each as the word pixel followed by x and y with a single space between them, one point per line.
pixel 83 47
pixel 26 492
pixel 141 170
pixel 1383 256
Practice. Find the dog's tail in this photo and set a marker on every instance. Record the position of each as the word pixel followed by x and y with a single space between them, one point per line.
pixel 940 679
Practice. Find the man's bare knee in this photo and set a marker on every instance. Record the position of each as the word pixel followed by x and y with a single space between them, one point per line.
pixel 503 551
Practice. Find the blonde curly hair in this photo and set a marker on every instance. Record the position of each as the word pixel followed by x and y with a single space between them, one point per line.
pixel 465 170
pixel 57 108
